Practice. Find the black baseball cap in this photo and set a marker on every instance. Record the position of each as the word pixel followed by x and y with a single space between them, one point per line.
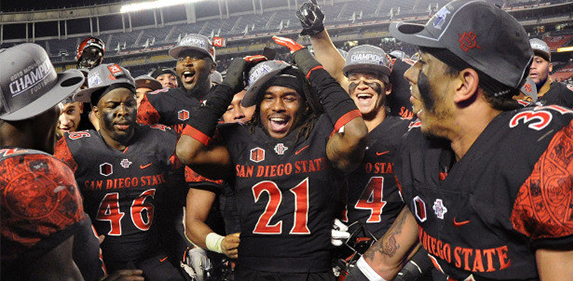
pixel 29 84
pixel 162 70
pixel 479 33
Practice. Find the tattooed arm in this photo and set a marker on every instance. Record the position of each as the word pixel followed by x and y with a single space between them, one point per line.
pixel 387 255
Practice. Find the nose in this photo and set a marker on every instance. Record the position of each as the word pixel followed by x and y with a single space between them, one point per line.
pixel 278 105
pixel 64 120
pixel 239 113
pixel 122 109
pixel 411 74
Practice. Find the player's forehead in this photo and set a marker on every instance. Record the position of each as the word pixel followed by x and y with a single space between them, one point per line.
pixel 364 74
pixel 118 95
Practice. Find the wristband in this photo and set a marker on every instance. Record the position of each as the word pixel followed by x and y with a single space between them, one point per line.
pixel 214 241
pixel 368 271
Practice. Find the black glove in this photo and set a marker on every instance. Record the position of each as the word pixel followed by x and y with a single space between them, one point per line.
pixel 311 18
pixel 235 78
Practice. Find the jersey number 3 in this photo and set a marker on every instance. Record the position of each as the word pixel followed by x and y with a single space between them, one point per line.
pixel 300 225
pixel 109 211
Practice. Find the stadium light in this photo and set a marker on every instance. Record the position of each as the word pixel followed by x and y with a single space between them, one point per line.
pixel 140 6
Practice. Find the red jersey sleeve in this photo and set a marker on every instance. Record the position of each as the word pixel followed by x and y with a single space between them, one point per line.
pixel 62 152
pixel 39 198
pixel 146 113
pixel 542 208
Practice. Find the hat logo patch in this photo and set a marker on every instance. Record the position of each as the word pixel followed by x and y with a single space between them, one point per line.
pixel 468 41
pixel 193 42
pixel 30 77
pixel 367 57
pixel 94 80
pixel 441 18
pixel 258 72
pixel 115 70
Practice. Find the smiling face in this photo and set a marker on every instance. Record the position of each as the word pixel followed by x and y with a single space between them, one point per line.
pixel 70 117
pixel 280 110
pixel 539 70
pixel 194 68
pixel 116 112
pixel 431 94
pixel 368 92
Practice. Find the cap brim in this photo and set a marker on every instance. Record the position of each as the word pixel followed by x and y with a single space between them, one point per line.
pixel 542 54
pixel 415 34
pixel 85 94
pixel 67 83
pixel 146 83
pixel 174 52
pixel 250 97
pixel 365 67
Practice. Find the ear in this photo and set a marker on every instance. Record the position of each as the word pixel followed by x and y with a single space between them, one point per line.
pixel 388 88
pixel 213 67
pixel 95 110
pixel 550 67
pixel 466 85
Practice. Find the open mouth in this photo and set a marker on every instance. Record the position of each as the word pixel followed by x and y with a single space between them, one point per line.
pixel 188 76
pixel 364 99
pixel 278 124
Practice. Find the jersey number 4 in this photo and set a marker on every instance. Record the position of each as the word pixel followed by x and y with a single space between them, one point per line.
pixel 300 225
pixel 109 211
pixel 371 199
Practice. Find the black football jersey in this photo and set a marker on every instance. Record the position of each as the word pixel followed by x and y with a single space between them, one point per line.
pixel 170 107
pixel 483 216
pixel 559 94
pixel 373 197
pixel 285 190
pixel 399 99
pixel 122 189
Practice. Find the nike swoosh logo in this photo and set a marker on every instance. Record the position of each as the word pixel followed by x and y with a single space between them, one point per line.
pixel 458 224
pixel 300 150
pixel 163 259
pixel 382 153
pixel 145 166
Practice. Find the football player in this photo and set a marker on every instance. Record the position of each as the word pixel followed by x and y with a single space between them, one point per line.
pixel 41 211
pixel 479 207
pixel 195 63
pixel 373 199
pixel 90 52
pixel 123 173
pixel 286 165
pixel 549 91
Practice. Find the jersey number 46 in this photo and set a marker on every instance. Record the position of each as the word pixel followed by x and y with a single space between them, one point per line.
pixel 109 211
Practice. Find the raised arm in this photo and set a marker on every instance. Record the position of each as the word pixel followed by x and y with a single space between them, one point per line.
pixel 311 19
pixel 195 147
pixel 345 149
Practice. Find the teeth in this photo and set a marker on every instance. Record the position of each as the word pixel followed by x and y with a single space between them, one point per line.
pixel 276 119
pixel 364 96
